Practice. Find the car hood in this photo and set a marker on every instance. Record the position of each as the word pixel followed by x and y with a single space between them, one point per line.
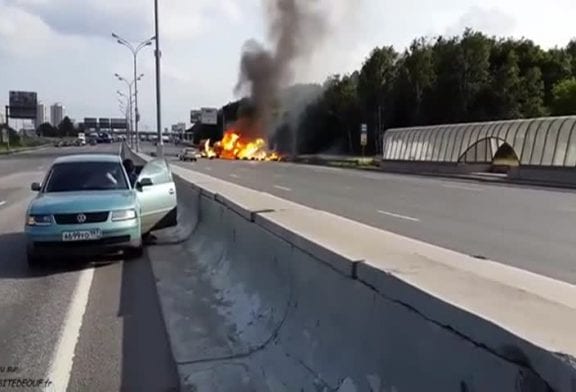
pixel 87 201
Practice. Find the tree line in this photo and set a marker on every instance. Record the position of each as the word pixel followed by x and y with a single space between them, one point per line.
pixel 66 128
pixel 472 77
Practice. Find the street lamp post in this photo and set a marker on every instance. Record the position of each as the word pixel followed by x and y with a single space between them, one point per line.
pixel 129 125
pixel 133 124
pixel 160 147
pixel 134 51
pixel 125 110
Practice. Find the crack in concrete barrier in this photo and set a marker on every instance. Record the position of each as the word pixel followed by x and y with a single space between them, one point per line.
pixel 523 362
pixel 256 349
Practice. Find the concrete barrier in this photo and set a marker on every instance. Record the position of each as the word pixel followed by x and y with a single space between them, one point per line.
pixel 268 295
pixel 555 176
pixel 415 167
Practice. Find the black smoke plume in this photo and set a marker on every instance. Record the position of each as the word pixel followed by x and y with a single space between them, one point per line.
pixel 295 28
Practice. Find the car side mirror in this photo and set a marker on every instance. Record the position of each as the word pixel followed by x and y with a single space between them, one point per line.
pixel 35 187
pixel 145 182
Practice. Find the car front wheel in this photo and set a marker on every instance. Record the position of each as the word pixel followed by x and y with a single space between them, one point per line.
pixel 34 261
pixel 134 253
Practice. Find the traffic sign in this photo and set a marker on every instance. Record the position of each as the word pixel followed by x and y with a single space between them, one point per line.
pixel 364 135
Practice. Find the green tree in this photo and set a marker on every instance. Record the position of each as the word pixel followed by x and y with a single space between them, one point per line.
pixel 46 130
pixel 501 98
pixel 375 83
pixel 415 79
pixel 532 94
pixel 66 128
pixel 564 93
pixel 555 66
pixel 467 78
pixel 474 73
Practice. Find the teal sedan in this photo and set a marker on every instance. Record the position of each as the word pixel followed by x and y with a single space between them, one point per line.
pixel 87 205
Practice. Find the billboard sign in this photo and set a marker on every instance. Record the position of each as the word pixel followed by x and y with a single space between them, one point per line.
pixel 118 123
pixel 195 116
pixel 90 123
pixel 209 116
pixel 104 123
pixel 23 105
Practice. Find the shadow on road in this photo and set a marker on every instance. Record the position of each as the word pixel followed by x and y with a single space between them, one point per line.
pixel 13 264
pixel 147 361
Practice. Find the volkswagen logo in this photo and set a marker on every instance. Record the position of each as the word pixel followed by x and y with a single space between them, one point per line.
pixel 81 218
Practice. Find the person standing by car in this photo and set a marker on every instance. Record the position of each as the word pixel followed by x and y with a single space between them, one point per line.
pixel 131 170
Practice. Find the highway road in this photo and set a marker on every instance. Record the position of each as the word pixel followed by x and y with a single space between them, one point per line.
pixel 526 227
pixel 92 327
pixel 99 326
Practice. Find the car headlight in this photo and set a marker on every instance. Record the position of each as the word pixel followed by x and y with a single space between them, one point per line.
pixel 123 215
pixel 39 220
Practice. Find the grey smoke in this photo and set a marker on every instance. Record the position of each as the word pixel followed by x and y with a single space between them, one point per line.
pixel 295 29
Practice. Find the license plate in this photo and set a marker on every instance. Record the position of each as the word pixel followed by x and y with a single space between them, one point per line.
pixel 83 235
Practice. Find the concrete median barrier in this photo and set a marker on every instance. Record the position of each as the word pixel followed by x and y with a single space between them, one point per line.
pixel 268 295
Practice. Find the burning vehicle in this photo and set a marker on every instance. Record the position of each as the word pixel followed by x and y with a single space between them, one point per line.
pixel 235 147
pixel 242 141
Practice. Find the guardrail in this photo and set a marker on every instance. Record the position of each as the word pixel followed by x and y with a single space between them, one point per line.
pixel 285 295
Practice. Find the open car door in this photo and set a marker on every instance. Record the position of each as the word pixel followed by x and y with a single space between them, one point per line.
pixel 157 196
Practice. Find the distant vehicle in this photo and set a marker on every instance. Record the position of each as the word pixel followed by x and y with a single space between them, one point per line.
pixel 87 206
pixel 82 138
pixel 93 142
pixel 104 138
pixel 189 154
pixel 166 138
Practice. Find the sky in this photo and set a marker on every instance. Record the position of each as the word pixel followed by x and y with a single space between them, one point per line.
pixel 63 49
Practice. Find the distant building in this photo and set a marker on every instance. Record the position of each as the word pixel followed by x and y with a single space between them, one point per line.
pixel 179 128
pixel 41 116
pixel 56 114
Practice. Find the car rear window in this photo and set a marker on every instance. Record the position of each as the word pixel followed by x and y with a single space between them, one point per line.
pixel 86 176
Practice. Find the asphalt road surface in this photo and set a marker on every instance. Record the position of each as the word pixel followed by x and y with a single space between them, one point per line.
pixel 88 326
pixel 527 227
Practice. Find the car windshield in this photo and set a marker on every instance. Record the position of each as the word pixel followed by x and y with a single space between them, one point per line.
pixel 86 176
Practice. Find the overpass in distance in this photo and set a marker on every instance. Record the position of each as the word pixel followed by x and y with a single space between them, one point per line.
pixel 167 298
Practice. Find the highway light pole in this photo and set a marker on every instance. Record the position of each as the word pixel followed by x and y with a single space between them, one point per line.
pixel 160 146
pixel 124 108
pixel 130 84
pixel 128 114
pixel 134 50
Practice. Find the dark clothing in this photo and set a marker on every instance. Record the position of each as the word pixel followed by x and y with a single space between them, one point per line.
pixel 133 177
pixel 130 170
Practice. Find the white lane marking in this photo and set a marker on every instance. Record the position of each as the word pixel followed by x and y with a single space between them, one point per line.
pixel 408 218
pixel 234 176
pixel 2 203
pixel 463 187
pixel 61 363
pixel 282 188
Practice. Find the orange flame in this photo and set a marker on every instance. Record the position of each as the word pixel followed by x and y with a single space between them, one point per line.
pixel 233 146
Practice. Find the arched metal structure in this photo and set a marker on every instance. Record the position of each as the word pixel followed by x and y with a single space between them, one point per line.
pixel 549 141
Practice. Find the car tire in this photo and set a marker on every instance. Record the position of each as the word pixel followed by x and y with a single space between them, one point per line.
pixel 34 261
pixel 134 253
